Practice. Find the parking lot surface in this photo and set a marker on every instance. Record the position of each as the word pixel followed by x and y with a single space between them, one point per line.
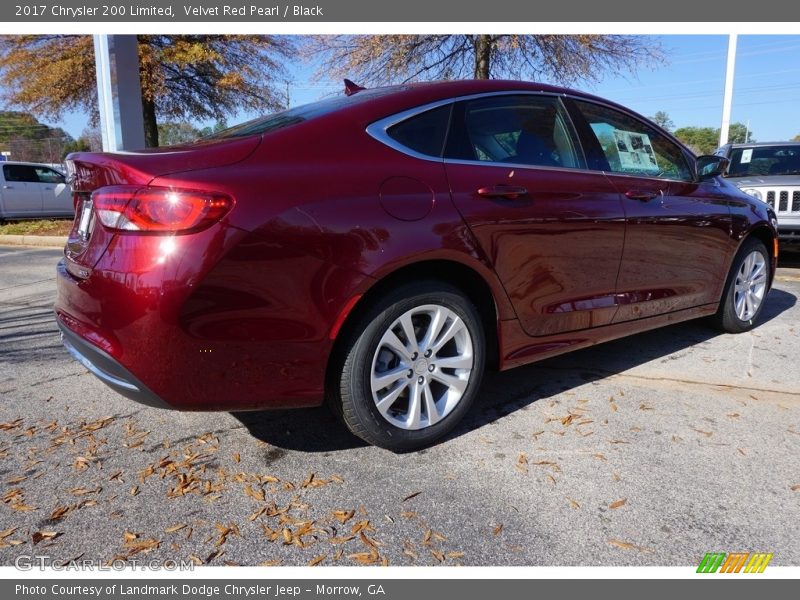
pixel 651 450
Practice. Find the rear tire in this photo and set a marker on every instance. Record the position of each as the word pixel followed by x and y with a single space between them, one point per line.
pixel 745 289
pixel 411 367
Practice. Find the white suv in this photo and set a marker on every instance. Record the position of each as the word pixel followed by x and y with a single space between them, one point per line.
pixel 31 190
pixel 771 173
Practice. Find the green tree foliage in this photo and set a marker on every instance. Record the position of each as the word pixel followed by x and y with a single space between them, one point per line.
pixel 80 145
pixel 172 132
pixel 382 59
pixel 218 126
pixel 30 140
pixel 738 134
pixel 182 76
pixel 705 140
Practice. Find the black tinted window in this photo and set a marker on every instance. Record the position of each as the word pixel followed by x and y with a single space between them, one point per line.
pixel 20 173
pixel 525 129
pixel 424 133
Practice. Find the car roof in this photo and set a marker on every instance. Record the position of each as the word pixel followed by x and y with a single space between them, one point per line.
pixel 27 164
pixel 432 91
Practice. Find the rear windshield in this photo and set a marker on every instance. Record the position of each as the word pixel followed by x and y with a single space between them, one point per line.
pixel 765 160
pixel 298 114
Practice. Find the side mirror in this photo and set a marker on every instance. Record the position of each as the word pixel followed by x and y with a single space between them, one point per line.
pixel 709 166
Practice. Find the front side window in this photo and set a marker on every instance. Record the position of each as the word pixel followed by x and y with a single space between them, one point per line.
pixel 631 147
pixel 523 130
pixel 21 173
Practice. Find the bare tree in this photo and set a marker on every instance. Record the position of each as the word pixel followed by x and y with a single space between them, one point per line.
pixel 566 59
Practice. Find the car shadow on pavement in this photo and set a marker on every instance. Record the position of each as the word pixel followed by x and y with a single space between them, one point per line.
pixel 318 430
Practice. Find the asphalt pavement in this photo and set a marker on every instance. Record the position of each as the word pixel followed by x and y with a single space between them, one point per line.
pixel 651 450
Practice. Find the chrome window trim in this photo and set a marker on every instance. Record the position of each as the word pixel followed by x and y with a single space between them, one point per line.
pixel 378 130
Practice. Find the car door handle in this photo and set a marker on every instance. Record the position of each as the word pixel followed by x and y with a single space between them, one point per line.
pixel 8 187
pixel 48 188
pixel 643 195
pixel 512 192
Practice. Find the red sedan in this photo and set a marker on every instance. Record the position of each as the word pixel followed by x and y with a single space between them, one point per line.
pixel 380 249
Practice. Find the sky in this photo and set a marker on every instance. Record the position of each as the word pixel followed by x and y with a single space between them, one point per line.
pixel 688 87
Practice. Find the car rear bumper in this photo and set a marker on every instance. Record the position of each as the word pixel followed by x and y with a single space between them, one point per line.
pixel 218 324
pixel 107 369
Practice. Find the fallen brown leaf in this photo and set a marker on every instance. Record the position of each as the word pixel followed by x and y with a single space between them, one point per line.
pixel 343 516
pixel 618 503
pixel 38 536
pixel 341 539
pixel 522 463
pixel 703 432
pixel 628 546
pixel 85 491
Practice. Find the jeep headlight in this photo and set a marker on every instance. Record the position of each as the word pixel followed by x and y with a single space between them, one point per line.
pixel 754 193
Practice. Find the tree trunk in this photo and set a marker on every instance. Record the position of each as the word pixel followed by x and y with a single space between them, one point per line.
pixel 148 102
pixel 483 55
pixel 150 123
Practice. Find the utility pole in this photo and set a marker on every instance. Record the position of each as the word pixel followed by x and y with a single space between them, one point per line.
pixel 728 97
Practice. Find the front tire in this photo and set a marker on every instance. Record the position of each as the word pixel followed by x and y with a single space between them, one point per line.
pixel 745 289
pixel 412 367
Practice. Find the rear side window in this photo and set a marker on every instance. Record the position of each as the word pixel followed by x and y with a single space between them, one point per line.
pixel 20 173
pixel 631 147
pixel 424 133
pixel 524 130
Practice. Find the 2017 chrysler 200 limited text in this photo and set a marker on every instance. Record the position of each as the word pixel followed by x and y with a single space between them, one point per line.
pixel 381 248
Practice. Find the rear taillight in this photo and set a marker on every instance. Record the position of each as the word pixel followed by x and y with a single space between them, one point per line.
pixel 149 209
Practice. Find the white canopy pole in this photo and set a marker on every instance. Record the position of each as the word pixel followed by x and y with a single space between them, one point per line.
pixel 119 92
pixel 728 98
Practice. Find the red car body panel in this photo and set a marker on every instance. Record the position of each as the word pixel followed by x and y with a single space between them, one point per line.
pixel 245 314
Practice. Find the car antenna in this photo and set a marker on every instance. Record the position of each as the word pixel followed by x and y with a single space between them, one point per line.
pixel 351 88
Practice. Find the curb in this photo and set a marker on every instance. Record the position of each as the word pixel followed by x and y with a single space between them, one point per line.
pixel 42 241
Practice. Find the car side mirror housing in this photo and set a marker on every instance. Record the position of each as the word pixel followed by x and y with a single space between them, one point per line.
pixel 710 166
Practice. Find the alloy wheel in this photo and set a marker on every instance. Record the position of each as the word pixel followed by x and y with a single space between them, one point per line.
pixel 750 285
pixel 421 367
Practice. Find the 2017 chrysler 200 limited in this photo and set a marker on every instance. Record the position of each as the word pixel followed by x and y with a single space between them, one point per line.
pixel 381 248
